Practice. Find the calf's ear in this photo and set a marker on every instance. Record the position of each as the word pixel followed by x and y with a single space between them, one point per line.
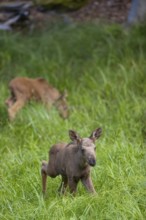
pixel 74 136
pixel 65 94
pixel 96 134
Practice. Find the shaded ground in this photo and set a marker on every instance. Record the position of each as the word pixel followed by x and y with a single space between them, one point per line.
pixel 109 10
pixel 96 10
pixel 105 10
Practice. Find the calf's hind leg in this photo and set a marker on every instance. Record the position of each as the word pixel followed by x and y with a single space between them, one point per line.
pixel 44 176
pixel 13 109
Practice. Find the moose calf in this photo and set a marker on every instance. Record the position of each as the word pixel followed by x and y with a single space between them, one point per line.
pixel 72 161
pixel 24 89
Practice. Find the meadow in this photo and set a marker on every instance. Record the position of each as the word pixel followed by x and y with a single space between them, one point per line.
pixel 103 68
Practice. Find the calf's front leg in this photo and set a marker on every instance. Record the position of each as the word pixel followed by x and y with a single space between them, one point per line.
pixel 72 182
pixel 63 185
pixel 87 182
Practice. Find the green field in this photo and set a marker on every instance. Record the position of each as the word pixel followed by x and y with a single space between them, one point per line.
pixel 103 68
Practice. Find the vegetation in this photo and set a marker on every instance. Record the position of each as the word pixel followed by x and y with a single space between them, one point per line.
pixel 103 70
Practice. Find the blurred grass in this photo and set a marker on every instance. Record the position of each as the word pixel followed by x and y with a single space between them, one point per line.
pixel 104 70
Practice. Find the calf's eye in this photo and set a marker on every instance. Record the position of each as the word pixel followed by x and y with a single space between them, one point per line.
pixel 83 150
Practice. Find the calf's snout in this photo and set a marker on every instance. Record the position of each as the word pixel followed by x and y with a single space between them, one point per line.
pixel 92 162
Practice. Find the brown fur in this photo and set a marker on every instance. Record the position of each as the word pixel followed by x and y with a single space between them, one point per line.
pixel 24 89
pixel 72 161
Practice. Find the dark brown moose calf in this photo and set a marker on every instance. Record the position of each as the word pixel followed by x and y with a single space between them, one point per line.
pixel 24 89
pixel 72 161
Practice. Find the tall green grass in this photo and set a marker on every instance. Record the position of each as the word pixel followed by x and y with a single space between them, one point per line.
pixel 103 69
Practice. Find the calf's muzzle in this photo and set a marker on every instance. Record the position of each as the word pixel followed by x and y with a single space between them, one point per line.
pixel 92 162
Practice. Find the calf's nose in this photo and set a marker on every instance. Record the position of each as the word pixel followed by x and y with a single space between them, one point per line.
pixel 92 162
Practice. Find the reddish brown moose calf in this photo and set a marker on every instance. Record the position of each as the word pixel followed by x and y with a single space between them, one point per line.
pixel 24 89
pixel 72 161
